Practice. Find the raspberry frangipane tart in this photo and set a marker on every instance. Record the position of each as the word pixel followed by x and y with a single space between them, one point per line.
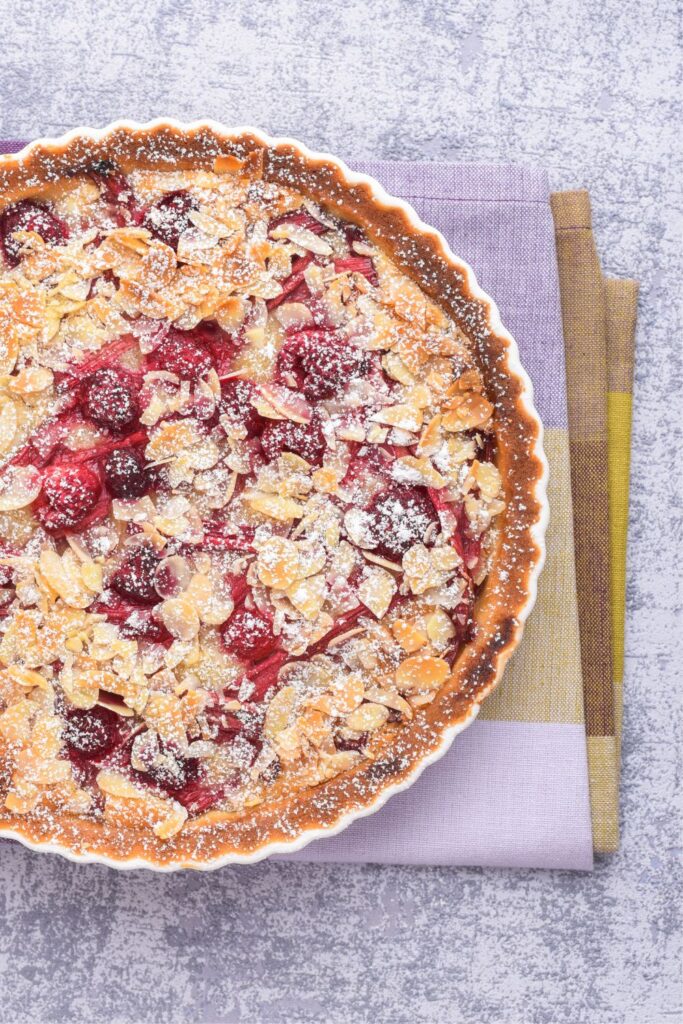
pixel 271 497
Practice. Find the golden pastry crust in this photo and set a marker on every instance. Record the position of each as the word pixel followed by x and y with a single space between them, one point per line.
pixel 433 602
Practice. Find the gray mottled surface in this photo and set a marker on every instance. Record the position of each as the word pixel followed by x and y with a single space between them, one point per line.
pixel 586 89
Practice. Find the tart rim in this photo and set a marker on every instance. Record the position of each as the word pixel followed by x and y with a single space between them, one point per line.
pixel 482 659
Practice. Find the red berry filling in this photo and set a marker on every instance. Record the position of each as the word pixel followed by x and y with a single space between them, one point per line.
pixel 235 403
pixel 90 734
pixel 109 399
pixel 69 494
pixel 321 363
pixel 248 635
pixel 399 518
pixel 182 354
pixel 304 439
pixel 135 578
pixel 170 217
pixel 29 216
pixel 125 474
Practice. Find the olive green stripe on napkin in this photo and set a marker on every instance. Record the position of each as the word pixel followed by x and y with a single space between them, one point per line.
pixel 622 303
pixel 543 682
pixel 582 294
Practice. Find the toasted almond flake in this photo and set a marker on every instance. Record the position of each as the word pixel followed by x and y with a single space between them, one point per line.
pixel 395 368
pixel 377 590
pixel 19 487
pixel 367 718
pixel 287 403
pixel 279 712
pixel 9 421
pixel 180 617
pixel 440 628
pixel 390 699
pixel 342 700
pixel 293 314
pixel 119 709
pixel 384 562
pixel 308 596
pixel 488 479
pixel 32 380
pixel 63 576
pixel 172 823
pixel 275 507
pixel 334 764
pixel 466 412
pixel 410 634
pixel 302 237
pixel 421 672
pixel 27 677
pixel 406 417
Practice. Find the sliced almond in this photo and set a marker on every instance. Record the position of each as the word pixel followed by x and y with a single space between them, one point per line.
pixel 377 590
pixel 19 487
pixel 279 712
pixel 466 412
pixel 275 507
pixel 308 596
pixel 367 718
pixel 421 672
pixel 180 617
pixel 410 634
pixel 406 417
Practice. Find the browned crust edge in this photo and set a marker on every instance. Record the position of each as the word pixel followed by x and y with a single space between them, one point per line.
pixel 509 591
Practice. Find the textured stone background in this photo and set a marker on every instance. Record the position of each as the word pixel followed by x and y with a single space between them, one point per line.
pixel 587 90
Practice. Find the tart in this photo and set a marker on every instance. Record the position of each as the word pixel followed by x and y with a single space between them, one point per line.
pixel 271 503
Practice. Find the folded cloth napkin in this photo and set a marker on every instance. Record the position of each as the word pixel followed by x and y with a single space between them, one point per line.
pixel 513 791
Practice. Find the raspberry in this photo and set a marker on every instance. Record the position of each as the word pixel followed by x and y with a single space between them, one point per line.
pixel 29 216
pixel 134 579
pixel 168 218
pixel 125 474
pixel 400 518
pixel 179 353
pixel 109 399
pixel 236 404
pixel 248 635
pixel 90 734
pixel 304 439
pixel 69 493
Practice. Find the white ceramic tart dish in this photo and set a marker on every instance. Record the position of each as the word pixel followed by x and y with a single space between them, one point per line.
pixel 272 495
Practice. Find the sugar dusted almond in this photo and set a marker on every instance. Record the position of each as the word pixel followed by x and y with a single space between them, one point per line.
pixel 488 479
pixel 367 717
pixel 440 628
pixel 287 403
pixel 377 590
pixel 466 412
pixel 395 368
pixel 430 438
pixel 293 314
pixel 180 617
pixel 27 677
pixel 308 595
pixel 279 711
pixel 9 422
pixel 421 672
pixel 19 487
pixel 409 469
pixel 343 699
pixel 335 764
pixel 410 634
pixel 172 822
pixel 406 417
pixel 275 507
pixel 63 575
pixel 303 237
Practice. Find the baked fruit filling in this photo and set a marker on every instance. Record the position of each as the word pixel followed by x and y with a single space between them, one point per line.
pixel 247 496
